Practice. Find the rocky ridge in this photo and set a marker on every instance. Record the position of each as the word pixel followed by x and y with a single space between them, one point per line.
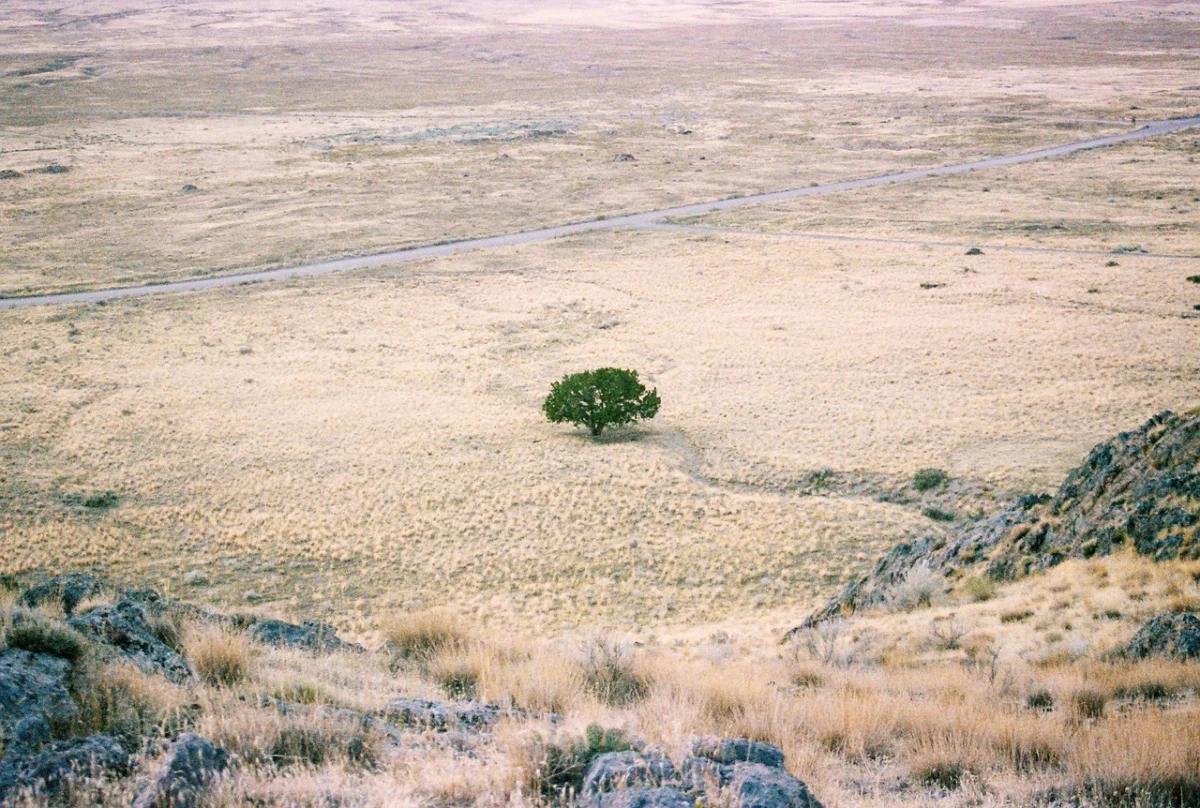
pixel 1140 489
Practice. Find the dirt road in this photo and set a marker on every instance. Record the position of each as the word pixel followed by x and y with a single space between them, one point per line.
pixel 630 221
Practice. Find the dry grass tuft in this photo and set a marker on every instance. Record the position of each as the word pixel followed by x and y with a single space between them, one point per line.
pixel 423 634
pixel 219 655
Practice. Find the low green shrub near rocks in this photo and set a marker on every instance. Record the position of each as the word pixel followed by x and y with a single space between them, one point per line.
pixel 38 634
pixel 556 767
pixel 929 479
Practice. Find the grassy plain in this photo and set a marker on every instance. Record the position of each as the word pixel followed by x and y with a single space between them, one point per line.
pixel 316 130
pixel 360 447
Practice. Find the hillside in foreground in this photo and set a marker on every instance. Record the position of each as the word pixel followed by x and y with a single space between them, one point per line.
pixel 1072 680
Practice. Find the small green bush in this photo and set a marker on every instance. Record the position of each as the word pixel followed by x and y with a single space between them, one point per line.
pixel 561 765
pixel 929 479
pixel 974 251
pixel 600 398
pixel 1194 278
pixel 980 588
pixel 102 500
pixel 41 635
pixel 1040 699
pixel 938 515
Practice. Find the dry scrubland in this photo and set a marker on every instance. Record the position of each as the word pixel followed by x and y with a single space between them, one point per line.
pixel 989 696
pixel 349 444
pixel 319 129
pixel 1130 199
pixel 362 447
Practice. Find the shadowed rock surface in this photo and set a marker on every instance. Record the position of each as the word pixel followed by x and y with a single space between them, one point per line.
pixel 190 769
pixel 1139 489
pixel 56 770
pixel 67 590
pixel 623 770
pixel 33 685
pixel 1167 635
pixel 124 628
pixel 310 634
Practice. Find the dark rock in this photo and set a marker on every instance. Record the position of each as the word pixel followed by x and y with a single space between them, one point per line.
pixel 728 751
pixel 623 158
pixel 1141 488
pixel 700 775
pixel 624 770
pixel 33 685
pixel 9 174
pixel 1167 635
pixel 54 168
pixel 67 590
pixel 439 715
pixel 644 798
pixel 754 785
pixel 29 735
pixel 124 628
pixel 310 634
pixel 191 767
pixel 190 189
pixel 52 772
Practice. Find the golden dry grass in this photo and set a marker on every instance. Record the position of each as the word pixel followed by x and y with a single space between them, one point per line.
pixel 303 141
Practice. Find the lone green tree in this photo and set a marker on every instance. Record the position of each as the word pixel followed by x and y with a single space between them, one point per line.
pixel 600 398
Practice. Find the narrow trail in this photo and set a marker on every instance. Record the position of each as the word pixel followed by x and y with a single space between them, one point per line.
pixel 648 219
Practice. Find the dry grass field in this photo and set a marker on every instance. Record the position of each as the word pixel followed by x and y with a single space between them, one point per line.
pixel 369 447
pixel 315 130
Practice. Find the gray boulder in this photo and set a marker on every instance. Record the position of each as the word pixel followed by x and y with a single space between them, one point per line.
pixel 625 770
pixel 53 772
pixel 191 767
pixel 67 590
pixel 701 775
pixel 310 634
pixel 728 751
pixel 754 785
pixel 1167 635
pixel 644 798
pixel 33 685
pixel 29 735
pixel 124 628
pixel 440 715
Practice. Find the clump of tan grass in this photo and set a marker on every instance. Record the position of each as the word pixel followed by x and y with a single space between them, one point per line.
pixel 120 700
pixel 421 635
pixel 219 655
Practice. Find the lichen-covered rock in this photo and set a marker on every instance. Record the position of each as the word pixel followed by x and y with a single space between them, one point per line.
pixel 191 767
pixel 728 751
pixel 613 771
pixel 663 797
pixel 53 772
pixel 66 590
pixel 310 634
pixel 1141 488
pixel 438 714
pixel 754 785
pixel 1167 635
pixel 33 685
pixel 124 628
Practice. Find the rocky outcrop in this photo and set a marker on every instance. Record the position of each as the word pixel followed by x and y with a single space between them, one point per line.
pixel 190 769
pixel 124 627
pixel 1175 636
pixel 66 590
pixel 726 771
pixel 33 686
pixel 310 634
pixel 1139 489
pixel 55 771
pixel 622 770
pixel 439 715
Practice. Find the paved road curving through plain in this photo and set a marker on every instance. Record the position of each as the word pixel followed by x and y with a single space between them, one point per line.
pixel 630 221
